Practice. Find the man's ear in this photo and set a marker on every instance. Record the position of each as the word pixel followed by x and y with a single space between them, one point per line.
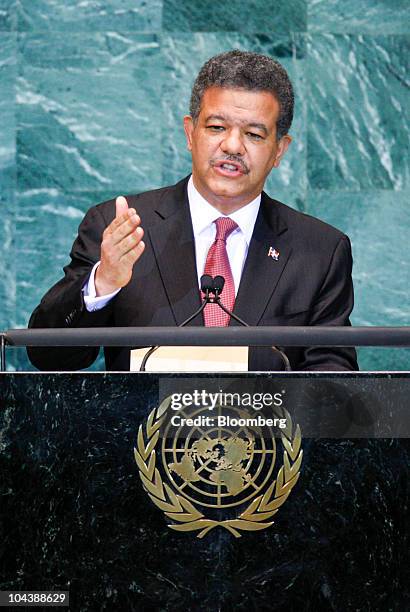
pixel 283 145
pixel 188 128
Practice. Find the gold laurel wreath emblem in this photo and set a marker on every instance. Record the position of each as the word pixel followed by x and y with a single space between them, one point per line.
pixel 257 515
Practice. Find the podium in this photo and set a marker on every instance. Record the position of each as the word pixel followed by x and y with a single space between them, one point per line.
pixel 76 515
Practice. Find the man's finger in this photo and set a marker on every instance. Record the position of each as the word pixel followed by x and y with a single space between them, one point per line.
pixel 120 231
pixel 134 254
pixel 121 206
pixel 130 216
pixel 130 242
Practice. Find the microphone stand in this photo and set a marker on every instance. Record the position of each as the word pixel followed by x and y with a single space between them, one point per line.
pixel 207 300
pixel 282 354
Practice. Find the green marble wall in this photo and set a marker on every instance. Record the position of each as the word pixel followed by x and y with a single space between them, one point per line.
pixel 91 99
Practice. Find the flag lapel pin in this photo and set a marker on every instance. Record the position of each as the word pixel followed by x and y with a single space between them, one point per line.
pixel 273 253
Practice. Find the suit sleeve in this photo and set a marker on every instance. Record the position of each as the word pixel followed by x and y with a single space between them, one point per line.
pixel 333 307
pixel 63 305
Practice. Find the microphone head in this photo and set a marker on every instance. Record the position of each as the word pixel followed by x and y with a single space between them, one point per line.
pixel 218 284
pixel 207 283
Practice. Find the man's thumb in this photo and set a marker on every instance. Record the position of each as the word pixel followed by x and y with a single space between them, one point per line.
pixel 121 206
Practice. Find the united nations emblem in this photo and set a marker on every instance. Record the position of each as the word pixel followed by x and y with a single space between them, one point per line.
pixel 204 472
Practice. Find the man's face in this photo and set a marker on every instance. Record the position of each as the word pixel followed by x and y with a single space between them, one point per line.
pixel 234 145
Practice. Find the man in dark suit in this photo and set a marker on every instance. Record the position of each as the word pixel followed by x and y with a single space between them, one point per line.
pixel 137 260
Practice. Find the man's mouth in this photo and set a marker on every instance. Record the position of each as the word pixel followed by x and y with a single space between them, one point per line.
pixel 229 168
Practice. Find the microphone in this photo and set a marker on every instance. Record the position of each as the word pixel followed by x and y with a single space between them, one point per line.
pixel 218 285
pixel 207 284
pixel 207 288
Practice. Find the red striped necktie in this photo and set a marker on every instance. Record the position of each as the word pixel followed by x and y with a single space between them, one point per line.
pixel 217 264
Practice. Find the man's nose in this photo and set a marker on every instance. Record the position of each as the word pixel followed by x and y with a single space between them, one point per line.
pixel 232 143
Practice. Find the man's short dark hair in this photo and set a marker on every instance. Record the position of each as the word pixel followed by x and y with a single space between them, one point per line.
pixel 250 71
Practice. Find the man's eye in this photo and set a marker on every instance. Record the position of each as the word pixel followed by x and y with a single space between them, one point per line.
pixel 255 136
pixel 216 128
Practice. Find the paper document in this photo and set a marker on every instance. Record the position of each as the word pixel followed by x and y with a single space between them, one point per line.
pixel 192 359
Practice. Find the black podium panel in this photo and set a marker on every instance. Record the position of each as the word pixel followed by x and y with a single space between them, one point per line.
pixel 76 517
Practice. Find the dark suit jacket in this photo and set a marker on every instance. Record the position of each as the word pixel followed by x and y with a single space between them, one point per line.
pixel 310 284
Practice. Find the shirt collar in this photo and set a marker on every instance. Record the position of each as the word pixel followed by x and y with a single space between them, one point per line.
pixel 204 214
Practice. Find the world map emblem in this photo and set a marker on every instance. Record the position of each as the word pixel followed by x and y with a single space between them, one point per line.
pixel 218 471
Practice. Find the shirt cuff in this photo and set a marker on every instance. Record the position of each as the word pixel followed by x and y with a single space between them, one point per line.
pixel 91 300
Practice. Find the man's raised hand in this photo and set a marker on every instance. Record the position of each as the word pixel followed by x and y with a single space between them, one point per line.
pixel 121 247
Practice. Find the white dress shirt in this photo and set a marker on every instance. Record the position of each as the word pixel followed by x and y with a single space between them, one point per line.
pixel 203 216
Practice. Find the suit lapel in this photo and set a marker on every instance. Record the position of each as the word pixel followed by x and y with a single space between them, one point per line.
pixel 262 272
pixel 174 248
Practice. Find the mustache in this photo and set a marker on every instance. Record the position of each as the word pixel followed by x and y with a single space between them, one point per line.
pixel 231 158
